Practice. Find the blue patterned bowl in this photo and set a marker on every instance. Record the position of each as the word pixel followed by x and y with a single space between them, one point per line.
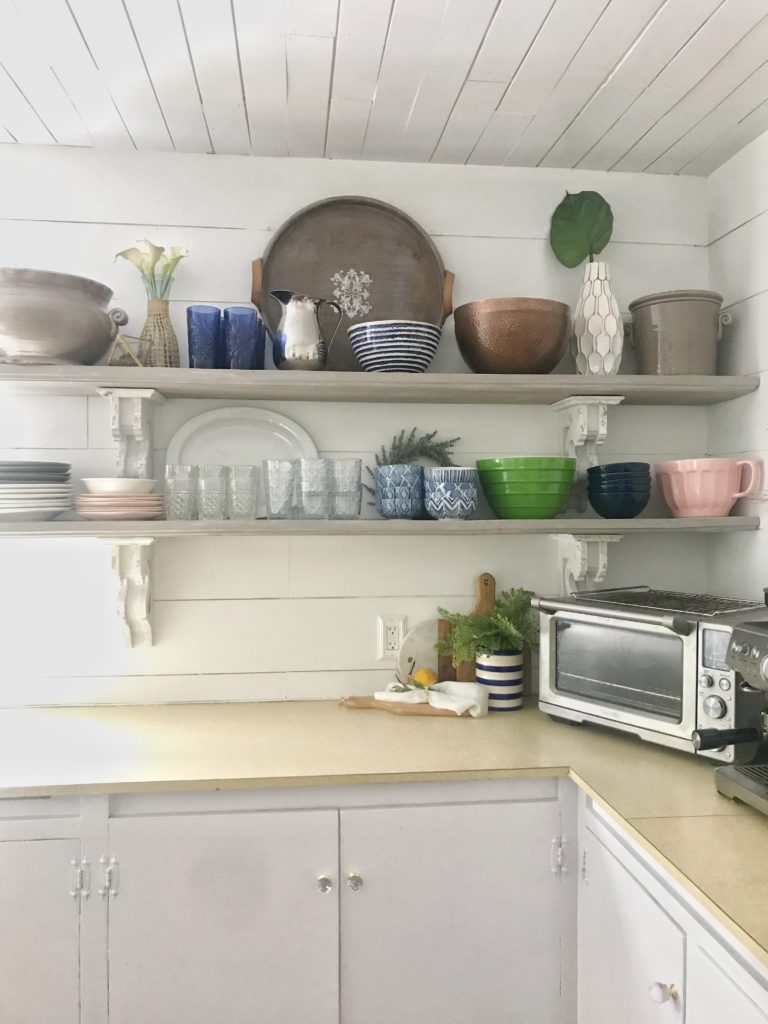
pixel 451 492
pixel 400 491
pixel 394 346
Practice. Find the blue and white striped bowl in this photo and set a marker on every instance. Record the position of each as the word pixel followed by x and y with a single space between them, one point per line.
pixel 394 346
pixel 503 675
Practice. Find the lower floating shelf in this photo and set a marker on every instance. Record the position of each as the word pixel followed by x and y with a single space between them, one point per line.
pixel 584 527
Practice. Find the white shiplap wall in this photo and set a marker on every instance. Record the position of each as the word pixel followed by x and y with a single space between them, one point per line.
pixel 739 268
pixel 275 618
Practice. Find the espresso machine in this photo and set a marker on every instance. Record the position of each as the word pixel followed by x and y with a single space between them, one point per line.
pixel 748 656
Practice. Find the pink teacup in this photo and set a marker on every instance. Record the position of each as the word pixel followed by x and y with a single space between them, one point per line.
pixel 707 487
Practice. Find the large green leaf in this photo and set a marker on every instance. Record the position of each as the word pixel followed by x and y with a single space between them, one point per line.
pixel 581 227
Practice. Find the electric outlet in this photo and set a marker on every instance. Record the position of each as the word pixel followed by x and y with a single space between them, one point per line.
pixel 391 633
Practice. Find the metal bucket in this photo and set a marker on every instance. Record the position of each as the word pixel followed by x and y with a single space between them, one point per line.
pixel 677 332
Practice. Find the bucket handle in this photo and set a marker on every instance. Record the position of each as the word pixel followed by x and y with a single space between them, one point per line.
pixel 723 320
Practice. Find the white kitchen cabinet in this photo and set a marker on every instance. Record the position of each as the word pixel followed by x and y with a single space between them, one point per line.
pixel 451 914
pixel 631 951
pixel 39 932
pixel 719 991
pixel 221 917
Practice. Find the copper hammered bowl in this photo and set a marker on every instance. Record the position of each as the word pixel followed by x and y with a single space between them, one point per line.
pixel 515 335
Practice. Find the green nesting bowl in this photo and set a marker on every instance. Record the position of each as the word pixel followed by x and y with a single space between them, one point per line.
pixel 533 512
pixel 527 462
pixel 526 500
pixel 526 476
pixel 528 487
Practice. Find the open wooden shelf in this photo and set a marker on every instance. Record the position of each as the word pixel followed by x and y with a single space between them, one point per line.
pixel 303 386
pixel 160 529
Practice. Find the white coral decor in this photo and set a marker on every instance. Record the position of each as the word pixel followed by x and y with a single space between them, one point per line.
pixel 598 330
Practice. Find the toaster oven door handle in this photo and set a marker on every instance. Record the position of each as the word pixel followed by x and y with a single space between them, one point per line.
pixel 675 623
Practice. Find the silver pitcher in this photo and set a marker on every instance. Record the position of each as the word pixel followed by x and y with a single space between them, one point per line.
pixel 298 342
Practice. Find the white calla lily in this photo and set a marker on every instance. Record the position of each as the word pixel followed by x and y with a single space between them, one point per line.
pixel 135 256
pixel 154 252
pixel 171 259
pixel 156 265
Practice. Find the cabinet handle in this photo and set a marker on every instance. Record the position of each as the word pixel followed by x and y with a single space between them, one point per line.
pixel 661 993
pixel 324 884
pixel 354 881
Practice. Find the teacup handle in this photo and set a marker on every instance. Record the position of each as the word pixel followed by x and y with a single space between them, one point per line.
pixel 754 477
pixel 337 307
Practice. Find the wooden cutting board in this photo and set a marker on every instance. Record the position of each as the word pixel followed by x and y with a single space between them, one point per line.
pixel 486 599
pixel 396 708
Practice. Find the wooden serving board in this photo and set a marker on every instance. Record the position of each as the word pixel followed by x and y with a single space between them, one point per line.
pixel 396 708
pixel 486 599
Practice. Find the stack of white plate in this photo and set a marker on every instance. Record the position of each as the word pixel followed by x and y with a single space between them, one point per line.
pixel 34 491
pixel 120 498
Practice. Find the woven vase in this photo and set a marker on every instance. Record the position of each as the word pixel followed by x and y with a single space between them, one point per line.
pixel 157 344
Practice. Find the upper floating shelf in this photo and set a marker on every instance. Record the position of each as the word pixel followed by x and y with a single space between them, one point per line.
pixel 301 386
pixel 159 529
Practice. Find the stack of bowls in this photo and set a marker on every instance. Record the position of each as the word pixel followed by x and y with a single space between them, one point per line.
pixel 526 487
pixel 394 346
pixel 619 490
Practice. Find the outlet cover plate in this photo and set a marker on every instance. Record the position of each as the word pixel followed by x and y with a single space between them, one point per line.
pixel 391 630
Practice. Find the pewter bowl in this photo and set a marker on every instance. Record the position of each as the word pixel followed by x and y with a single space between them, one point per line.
pixel 46 317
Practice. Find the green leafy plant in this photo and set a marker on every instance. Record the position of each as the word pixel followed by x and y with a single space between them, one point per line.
pixel 510 625
pixel 156 266
pixel 409 448
pixel 581 227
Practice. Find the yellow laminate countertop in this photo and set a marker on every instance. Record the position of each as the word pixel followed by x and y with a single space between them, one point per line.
pixel 716 848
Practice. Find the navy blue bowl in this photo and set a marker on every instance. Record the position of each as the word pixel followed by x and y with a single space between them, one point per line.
pixel 618 506
pixel 619 467
pixel 634 489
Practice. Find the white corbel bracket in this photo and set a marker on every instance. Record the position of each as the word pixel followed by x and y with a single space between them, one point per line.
pixel 584 423
pixel 131 420
pixel 132 563
pixel 584 560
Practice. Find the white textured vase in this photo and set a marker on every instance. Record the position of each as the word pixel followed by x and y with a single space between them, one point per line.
pixel 598 330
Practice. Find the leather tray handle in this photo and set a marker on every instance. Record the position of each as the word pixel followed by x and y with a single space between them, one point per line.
pixel 448 278
pixel 256 272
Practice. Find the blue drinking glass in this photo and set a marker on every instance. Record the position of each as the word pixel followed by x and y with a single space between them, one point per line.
pixel 204 336
pixel 244 337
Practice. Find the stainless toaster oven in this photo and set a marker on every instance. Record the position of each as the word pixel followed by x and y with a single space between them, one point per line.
pixel 653 663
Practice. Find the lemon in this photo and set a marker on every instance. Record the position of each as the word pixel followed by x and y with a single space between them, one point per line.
pixel 424 677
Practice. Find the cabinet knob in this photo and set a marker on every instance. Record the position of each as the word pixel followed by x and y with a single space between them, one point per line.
pixel 324 883
pixel 354 881
pixel 661 993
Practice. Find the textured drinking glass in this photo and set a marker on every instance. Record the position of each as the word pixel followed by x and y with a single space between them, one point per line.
pixel 181 492
pixel 346 488
pixel 204 336
pixel 243 489
pixel 243 336
pixel 211 492
pixel 279 476
pixel 313 488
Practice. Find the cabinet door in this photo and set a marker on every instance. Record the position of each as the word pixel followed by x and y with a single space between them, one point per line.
pixel 457 920
pixel 718 993
pixel 627 944
pixel 39 932
pixel 219 917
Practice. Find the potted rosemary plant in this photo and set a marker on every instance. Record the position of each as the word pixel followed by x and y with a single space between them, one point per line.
pixel 399 477
pixel 495 643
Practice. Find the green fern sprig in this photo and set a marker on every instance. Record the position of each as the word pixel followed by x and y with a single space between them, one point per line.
pixel 510 625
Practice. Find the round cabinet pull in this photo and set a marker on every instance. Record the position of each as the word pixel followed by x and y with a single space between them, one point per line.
pixel 324 883
pixel 354 882
pixel 661 993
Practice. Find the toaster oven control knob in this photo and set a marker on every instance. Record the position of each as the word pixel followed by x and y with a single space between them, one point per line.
pixel 764 669
pixel 738 648
pixel 705 681
pixel 714 707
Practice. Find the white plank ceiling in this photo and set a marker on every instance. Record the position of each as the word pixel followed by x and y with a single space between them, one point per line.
pixel 666 86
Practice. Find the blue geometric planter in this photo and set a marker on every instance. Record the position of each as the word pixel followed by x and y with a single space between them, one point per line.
pixel 451 492
pixel 502 673
pixel 400 491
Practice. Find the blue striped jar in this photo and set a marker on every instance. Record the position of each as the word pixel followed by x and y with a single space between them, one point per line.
pixel 502 673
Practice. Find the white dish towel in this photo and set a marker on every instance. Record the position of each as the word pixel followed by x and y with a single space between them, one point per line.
pixel 448 696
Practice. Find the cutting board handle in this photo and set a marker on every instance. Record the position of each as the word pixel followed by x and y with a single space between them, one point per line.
pixel 257 270
pixel 486 594
pixel 448 278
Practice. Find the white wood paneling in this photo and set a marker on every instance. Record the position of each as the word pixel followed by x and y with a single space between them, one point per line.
pixel 160 34
pixel 729 23
pixel 599 84
pixel 210 32
pixel 61 43
pixel 107 31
